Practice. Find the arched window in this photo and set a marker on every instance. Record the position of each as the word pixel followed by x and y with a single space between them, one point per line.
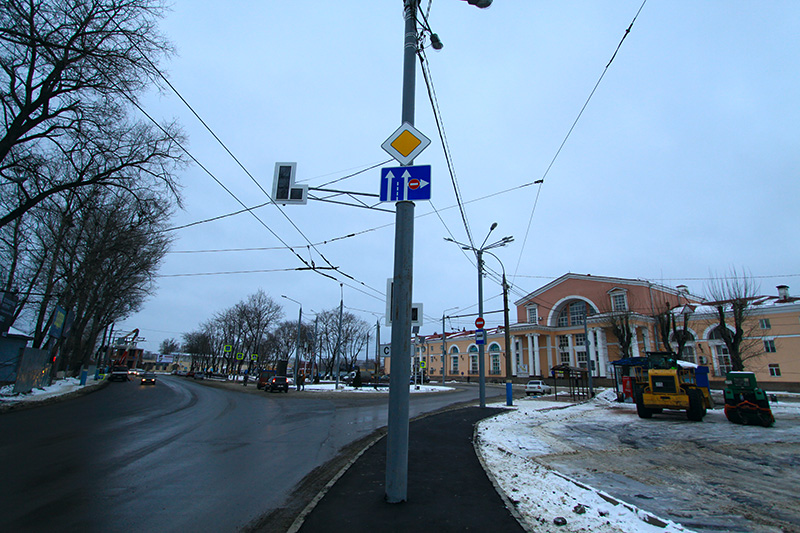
pixel 572 314
pixel 494 347
pixel 473 349
pixel 454 349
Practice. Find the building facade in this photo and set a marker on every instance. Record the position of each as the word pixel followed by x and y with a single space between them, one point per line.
pixel 554 322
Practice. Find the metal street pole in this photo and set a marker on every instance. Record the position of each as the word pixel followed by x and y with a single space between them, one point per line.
pixel 444 350
pixel 297 347
pixel 509 388
pixel 339 339
pixel 314 364
pixel 589 358
pixel 397 433
pixel 377 350
pixel 481 364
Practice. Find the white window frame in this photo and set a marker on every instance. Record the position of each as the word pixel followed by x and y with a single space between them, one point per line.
pixel 619 293
pixel 495 369
pixel 764 323
pixel 769 346
pixel 533 314
pixel 774 370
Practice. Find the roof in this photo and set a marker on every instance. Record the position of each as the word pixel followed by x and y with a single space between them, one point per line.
pixel 603 279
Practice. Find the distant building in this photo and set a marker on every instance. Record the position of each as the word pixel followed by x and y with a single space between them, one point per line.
pixel 553 321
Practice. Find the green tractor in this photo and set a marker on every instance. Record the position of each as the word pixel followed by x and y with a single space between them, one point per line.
pixel 745 403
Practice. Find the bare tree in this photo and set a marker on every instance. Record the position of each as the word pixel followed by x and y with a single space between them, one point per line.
pixel 354 338
pixel 733 297
pixel 620 324
pixel 69 69
pixel 169 346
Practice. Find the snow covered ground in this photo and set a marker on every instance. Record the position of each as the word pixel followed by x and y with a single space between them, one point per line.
pixel 58 388
pixel 534 428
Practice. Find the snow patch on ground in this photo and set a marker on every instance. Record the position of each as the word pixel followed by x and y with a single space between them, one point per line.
pixel 368 389
pixel 539 494
pixel 57 388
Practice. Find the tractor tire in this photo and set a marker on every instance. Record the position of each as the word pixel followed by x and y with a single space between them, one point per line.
pixel 697 410
pixel 733 415
pixel 641 410
pixel 765 416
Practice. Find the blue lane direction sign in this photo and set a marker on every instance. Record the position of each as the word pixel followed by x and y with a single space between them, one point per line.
pixel 405 183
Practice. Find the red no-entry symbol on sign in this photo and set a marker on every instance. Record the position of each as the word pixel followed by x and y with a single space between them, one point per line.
pixel 480 322
pixel 413 184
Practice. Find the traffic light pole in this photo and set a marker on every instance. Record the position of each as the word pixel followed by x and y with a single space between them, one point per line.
pixel 397 434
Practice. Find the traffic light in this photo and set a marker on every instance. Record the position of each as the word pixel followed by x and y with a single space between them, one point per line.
pixel 284 190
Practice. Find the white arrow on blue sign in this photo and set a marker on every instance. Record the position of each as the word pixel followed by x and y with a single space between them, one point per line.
pixel 406 183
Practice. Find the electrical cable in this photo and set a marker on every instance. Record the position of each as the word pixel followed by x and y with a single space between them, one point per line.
pixel 443 138
pixel 247 172
pixel 569 132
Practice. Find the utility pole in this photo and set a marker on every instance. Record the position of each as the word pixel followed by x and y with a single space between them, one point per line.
pixel 297 353
pixel 377 351
pixel 481 346
pixel 589 358
pixel 397 434
pixel 444 350
pixel 509 388
pixel 339 338
pixel 314 363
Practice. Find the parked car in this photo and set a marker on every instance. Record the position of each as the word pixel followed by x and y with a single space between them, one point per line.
pixel 199 375
pixel 119 373
pixel 277 383
pixel 264 378
pixel 148 378
pixel 536 386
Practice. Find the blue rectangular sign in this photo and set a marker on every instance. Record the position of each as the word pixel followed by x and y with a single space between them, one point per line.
pixel 480 336
pixel 406 183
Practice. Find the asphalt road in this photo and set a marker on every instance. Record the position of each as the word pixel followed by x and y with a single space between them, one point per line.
pixel 178 456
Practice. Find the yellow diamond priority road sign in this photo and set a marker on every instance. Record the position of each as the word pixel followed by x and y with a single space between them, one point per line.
pixel 406 143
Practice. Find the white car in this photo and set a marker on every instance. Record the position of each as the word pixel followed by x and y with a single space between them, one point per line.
pixel 536 386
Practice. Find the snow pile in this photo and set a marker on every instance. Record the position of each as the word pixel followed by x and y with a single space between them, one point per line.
pixel 369 389
pixel 541 495
pixel 57 388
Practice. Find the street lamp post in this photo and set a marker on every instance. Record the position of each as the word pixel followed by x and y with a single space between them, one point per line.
pixel 479 255
pixel 297 350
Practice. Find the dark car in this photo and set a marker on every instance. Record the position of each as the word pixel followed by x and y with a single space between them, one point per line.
pixel 199 375
pixel 149 378
pixel 277 383
pixel 264 378
pixel 119 373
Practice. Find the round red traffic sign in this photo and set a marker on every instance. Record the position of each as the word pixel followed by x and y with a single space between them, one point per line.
pixel 413 184
pixel 480 322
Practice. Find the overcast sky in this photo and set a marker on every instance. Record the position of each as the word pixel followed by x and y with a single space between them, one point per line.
pixel 683 163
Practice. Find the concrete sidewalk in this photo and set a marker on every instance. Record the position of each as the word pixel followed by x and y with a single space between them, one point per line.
pixel 448 489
